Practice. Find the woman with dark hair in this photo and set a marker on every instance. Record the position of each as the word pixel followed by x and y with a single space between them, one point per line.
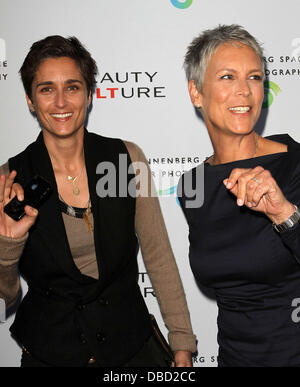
pixel 78 253
pixel 245 238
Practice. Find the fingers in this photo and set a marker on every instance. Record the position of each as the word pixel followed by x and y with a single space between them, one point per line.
pixel 8 184
pixel 238 173
pixel 248 185
pixel 18 229
pixel 30 217
pixel 2 187
pixel 17 189
pixel 5 186
pixel 257 187
pixel 31 212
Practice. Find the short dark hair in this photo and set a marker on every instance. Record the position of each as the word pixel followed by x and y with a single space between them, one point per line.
pixel 56 46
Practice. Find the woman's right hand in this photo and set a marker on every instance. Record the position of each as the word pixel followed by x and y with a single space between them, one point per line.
pixel 9 227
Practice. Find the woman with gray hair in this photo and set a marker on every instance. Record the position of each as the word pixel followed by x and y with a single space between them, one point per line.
pixel 245 238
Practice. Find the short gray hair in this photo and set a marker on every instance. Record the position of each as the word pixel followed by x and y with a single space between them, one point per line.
pixel 202 47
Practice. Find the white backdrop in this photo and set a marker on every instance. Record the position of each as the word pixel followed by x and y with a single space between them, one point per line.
pixel 142 96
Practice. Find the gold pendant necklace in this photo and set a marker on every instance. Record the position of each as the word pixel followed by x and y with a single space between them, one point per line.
pixel 75 190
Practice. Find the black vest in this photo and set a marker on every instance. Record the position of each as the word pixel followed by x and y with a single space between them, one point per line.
pixel 66 316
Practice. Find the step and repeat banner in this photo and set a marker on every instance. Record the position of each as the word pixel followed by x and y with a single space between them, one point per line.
pixel 142 96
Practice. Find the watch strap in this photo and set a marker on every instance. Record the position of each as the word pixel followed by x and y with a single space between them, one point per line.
pixel 289 223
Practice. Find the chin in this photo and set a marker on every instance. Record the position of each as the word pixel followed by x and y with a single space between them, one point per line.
pixel 242 130
pixel 65 133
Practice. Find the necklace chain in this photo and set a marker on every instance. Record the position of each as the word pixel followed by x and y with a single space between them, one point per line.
pixel 255 150
pixel 75 190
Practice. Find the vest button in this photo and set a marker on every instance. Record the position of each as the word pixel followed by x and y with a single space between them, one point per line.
pixel 101 337
pixel 81 306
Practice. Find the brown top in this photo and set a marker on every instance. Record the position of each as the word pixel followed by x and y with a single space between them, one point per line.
pixel 155 247
pixel 81 245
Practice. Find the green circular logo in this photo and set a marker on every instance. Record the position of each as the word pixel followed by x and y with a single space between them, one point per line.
pixel 270 89
pixel 182 4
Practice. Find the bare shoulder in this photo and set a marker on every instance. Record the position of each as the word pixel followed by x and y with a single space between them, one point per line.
pixel 268 147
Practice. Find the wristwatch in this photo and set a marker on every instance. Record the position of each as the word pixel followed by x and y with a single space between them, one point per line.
pixel 289 223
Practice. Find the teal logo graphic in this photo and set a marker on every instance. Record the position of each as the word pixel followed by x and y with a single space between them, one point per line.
pixel 270 89
pixel 169 192
pixel 182 4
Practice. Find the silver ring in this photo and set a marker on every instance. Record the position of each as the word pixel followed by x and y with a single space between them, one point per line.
pixel 256 180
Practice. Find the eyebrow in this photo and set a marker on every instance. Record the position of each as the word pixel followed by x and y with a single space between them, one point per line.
pixel 233 70
pixel 69 81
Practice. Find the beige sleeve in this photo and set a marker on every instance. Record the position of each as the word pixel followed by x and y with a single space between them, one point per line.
pixel 10 252
pixel 160 262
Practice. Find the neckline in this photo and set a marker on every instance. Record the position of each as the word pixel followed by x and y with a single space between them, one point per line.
pixel 245 160
pixel 281 138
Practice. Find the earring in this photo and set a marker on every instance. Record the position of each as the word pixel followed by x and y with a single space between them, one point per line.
pixel 198 106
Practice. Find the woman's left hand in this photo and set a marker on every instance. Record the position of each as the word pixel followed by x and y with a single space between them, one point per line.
pixel 257 189
pixel 183 359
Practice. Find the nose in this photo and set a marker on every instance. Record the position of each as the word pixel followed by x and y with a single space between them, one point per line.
pixel 243 88
pixel 60 99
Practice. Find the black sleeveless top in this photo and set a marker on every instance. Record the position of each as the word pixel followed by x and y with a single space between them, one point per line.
pixel 66 316
pixel 254 271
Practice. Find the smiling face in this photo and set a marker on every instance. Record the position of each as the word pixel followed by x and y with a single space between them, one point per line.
pixel 232 91
pixel 59 97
